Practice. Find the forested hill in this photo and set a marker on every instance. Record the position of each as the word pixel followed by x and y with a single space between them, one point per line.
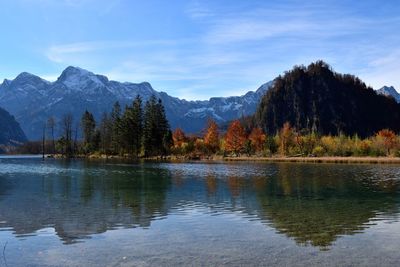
pixel 317 98
pixel 10 132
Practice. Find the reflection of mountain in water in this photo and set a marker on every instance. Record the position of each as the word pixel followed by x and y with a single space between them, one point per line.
pixel 313 204
pixel 316 205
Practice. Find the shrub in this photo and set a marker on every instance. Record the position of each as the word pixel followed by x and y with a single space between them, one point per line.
pixel 318 151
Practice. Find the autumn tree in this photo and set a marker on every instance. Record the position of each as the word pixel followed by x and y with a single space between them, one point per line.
pixel 389 139
pixel 179 138
pixel 211 137
pixel 235 137
pixel 286 138
pixel 257 139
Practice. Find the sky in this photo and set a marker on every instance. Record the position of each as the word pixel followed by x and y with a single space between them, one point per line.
pixel 200 49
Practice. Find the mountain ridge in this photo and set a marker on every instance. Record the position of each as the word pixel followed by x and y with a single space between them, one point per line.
pixel 389 91
pixel 32 100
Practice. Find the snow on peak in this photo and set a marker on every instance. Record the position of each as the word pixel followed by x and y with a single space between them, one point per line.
pixel 26 76
pixel 263 88
pixel 76 78
pixel 6 82
pixel 389 91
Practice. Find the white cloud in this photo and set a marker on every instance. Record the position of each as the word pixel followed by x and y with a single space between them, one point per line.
pixel 196 10
pixel 235 49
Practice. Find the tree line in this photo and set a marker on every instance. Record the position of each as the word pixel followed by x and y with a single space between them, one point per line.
pixel 143 131
pixel 240 140
pixel 135 130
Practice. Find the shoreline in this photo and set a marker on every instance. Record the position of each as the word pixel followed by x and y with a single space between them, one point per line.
pixel 214 158
pixel 325 159
pixel 333 159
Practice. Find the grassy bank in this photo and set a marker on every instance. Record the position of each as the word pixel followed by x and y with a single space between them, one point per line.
pixel 375 160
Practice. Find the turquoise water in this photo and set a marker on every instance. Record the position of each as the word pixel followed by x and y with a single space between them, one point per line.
pixel 97 213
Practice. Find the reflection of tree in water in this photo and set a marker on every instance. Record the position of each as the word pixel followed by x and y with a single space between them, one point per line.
pixel 211 184
pixel 4 187
pixel 313 204
pixel 85 200
pixel 235 185
pixel 316 205
pixel 144 194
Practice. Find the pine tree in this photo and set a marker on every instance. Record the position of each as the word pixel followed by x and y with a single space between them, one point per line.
pixel 131 127
pixel 66 126
pixel 156 132
pixel 116 128
pixel 88 129
pixel 105 132
pixel 149 127
pixel 163 131
pixel 137 114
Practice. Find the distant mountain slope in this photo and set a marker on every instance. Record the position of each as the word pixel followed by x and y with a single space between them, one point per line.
pixel 316 98
pixel 11 133
pixel 33 100
pixel 389 91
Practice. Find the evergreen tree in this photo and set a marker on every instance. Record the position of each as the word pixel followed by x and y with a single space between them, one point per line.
pixel 66 139
pixel 163 130
pixel 116 123
pixel 137 114
pixel 149 127
pixel 131 127
pixel 88 130
pixel 105 133
pixel 156 132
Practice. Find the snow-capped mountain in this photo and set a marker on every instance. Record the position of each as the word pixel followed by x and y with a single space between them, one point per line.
pixel 32 100
pixel 389 91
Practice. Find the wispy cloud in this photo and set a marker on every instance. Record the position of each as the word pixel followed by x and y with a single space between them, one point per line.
pixel 230 50
pixel 60 53
pixel 196 10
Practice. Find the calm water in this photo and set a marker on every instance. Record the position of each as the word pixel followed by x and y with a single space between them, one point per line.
pixel 77 213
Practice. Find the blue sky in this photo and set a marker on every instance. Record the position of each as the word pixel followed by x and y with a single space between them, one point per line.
pixel 198 49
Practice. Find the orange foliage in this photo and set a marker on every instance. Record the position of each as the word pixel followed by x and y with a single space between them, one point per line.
pixel 235 137
pixel 211 138
pixel 257 138
pixel 179 137
pixel 199 145
pixel 389 139
pixel 286 137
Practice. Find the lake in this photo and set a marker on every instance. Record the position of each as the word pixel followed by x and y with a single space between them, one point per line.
pixel 99 213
